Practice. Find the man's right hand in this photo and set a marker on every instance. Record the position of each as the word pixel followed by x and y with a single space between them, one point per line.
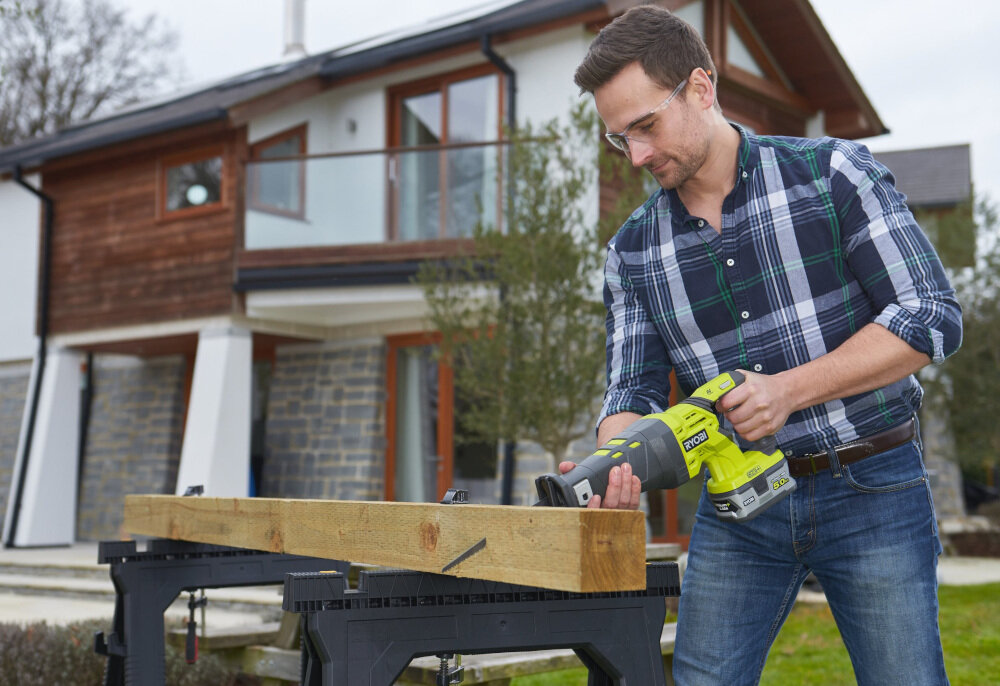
pixel 623 488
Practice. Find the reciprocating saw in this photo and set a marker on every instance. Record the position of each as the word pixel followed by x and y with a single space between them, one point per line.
pixel 667 449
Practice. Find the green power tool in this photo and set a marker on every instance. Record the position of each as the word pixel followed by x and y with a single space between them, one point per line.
pixel 666 449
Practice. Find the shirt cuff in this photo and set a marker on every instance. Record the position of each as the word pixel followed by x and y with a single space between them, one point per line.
pixel 913 331
pixel 626 403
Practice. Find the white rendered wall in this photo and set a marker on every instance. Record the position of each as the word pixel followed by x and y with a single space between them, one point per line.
pixel 19 231
pixel 48 502
pixel 544 65
pixel 345 199
pixel 216 448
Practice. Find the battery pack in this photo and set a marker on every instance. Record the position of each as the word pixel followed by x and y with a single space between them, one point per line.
pixel 746 502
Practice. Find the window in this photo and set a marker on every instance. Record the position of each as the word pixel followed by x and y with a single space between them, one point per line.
pixel 191 183
pixel 427 449
pixel 443 193
pixel 279 187
pixel 418 421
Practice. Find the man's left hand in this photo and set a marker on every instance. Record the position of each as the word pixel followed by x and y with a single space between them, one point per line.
pixel 623 491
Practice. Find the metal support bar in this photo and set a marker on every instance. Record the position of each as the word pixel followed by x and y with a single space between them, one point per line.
pixel 147 582
pixel 368 636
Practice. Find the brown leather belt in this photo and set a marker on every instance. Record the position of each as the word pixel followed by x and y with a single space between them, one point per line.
pixel 847 453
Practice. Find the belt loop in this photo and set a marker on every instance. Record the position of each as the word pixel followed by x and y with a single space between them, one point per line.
pixel 916 434
pixel 831 454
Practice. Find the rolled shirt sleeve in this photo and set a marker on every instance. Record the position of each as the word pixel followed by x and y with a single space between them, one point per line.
pixel 891 256
pixel 637 367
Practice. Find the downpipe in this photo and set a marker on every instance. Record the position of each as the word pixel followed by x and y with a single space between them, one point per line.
pixel 40 355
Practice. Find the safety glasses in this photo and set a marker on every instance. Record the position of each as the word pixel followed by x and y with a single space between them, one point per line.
pixel 620 140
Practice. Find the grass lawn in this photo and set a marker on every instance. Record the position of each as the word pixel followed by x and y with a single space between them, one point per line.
pixel 809 650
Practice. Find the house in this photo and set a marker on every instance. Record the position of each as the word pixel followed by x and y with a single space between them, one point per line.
pixel 224 292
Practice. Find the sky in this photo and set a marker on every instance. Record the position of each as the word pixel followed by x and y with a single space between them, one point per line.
pixel 927 67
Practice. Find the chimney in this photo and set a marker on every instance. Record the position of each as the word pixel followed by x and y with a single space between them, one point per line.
pixel 295 30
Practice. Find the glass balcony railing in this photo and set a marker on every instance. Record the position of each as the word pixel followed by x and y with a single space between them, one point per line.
pixel 395 195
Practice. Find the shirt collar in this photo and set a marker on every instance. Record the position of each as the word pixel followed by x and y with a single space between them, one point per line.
pixel 747 159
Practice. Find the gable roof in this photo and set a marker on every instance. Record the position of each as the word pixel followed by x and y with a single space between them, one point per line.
pixel 214 102
pixel 208 103
pixel 197 106
pixel 931 177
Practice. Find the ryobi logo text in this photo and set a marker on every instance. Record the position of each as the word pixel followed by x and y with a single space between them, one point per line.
pixel 696 440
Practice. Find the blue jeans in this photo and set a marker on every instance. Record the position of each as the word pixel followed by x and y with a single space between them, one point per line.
pixel 866 530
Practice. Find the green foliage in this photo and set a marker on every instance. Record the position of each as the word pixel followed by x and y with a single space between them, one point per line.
pixel 12 9
pixel 521 316
pixel 46 655
pixel 969 378
pixel 953 233
pixel 42 654
pixel 809 650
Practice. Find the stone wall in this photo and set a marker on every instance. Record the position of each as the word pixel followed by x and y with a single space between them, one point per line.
pixel 325 428
pixel 14 378
pixel 134 437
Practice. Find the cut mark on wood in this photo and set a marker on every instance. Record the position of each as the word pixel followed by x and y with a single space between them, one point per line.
pixel 465 556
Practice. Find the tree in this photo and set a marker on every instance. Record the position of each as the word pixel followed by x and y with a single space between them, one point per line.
pixel 66 62
pixel 971 374
pixel 521 316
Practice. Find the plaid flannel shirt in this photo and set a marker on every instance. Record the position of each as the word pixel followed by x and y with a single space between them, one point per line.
pixel 816 243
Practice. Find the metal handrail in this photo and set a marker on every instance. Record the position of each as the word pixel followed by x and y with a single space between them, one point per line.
pixel 396 150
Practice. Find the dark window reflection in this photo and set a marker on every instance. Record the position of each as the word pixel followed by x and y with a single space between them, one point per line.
pixel 194 184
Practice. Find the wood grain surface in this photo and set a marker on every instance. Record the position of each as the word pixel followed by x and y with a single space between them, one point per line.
pixel 569 549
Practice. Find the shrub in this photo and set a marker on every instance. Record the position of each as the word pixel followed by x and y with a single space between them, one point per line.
pixel 46 655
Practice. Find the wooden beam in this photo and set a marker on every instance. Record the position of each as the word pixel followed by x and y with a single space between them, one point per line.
pixel 570 549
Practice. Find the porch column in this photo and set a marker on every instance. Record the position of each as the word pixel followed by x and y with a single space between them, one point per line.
pixel 216 448
pixel 48 502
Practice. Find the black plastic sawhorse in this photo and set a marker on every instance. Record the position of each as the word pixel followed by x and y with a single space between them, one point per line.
pixel 147 582
pixel 367 637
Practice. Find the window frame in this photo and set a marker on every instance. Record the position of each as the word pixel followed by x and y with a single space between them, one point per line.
pixel 166 162
pixel 253 199
pixel 438 83
pixel 446 405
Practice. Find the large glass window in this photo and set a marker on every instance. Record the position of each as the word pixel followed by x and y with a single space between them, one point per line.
pixel 418 420
pixel 279 187
pixel 444 193
pixel 418 458
pixel 429 449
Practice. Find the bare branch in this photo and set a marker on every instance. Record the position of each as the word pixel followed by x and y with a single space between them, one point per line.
pixel 66 61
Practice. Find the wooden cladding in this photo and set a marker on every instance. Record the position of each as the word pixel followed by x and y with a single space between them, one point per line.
pixel 117 260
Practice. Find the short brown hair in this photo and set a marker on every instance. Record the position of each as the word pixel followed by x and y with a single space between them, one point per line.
pixel 667 48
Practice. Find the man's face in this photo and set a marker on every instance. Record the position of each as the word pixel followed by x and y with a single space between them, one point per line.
pixel 663 139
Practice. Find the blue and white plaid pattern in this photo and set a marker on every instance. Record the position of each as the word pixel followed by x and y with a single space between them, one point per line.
pixel 816 243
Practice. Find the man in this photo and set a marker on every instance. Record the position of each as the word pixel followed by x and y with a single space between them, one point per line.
pixel 797 262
